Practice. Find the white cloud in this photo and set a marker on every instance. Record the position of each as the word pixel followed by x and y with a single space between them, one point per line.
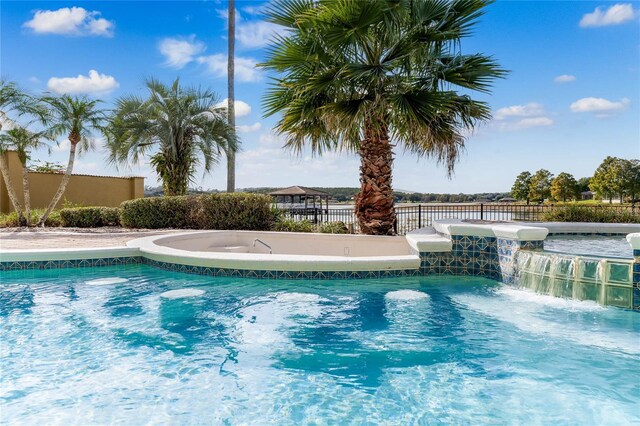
pixel 250 128
pixel 254 164
pixel 613 15
pixel 255 34
pixel 75 21
pixel 600 105
pixel 179 51
pixel 254 10
pixel 529 110
pixel 33 80
pixel 533 122
pixel 95 83
pixel 565 78
pixel 245 68
pixel 241 108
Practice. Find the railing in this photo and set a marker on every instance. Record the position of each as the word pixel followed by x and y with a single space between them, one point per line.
pixel 418 216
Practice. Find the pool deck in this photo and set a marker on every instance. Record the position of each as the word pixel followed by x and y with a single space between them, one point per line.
pixel 34 239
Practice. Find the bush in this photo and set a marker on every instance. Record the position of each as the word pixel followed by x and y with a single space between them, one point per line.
pixel 333 228
pixel 10 220
pixel 243 211
pixel 213 211
pixel 158 212
pixel 581 213
pixel 291 225
pixel 90 217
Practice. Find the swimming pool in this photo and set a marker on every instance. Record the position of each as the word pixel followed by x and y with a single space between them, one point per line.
pixel 590 245
pixel 120 344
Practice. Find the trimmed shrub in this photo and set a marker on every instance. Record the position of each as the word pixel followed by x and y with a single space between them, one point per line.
pixel 251 212
pixel 10 220
pixel 90 217
pixel 291 225
pixel 158 212
pixel 578 213
pixel 213 211
pixel 333 228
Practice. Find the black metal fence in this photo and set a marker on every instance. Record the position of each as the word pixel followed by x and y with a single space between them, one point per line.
pixel 421 215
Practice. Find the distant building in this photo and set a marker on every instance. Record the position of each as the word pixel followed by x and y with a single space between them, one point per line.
pixel 507 200
pixel 587 195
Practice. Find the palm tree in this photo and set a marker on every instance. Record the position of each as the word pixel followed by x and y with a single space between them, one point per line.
pixel 11 100
pixel 231 110
pixel 365 76
pixel 180 127
pixel 77 118
pixel 23 141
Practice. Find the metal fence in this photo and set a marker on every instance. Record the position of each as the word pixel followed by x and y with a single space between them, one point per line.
pixel 418 216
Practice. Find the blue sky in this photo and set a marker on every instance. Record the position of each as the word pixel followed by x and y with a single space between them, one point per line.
pixel 570 100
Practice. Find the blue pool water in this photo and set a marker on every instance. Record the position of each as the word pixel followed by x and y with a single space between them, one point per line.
pixel 121 345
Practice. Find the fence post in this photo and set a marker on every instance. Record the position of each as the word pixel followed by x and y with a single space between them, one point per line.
pixel 481 211
pixel 315 216
pixel 419 216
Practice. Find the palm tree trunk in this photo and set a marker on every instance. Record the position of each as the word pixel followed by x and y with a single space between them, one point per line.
pixel 231 155
pixel 4 169
pixel 27 194
pixel 374 202
pixel 63 184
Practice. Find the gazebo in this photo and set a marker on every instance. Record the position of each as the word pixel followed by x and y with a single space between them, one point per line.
pixel 303 194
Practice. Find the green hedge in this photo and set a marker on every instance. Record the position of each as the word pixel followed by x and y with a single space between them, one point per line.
pixel 578 213
pixel 158 212
pixel 213 211
pixel 90 217
pixel 291 225
pixel 10 220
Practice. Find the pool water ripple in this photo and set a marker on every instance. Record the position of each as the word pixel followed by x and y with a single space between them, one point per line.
pixel 396 351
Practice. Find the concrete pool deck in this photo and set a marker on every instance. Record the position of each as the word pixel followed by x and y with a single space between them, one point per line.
pixel 36 239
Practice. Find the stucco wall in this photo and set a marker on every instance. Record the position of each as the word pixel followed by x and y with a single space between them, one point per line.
pixel 83 190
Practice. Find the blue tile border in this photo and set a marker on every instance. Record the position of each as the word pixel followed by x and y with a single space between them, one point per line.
pixel 74 263
pixel 487 257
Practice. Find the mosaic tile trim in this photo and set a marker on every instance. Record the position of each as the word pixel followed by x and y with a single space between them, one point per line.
pixel 282 275
pixel 599 234
pixel 75 263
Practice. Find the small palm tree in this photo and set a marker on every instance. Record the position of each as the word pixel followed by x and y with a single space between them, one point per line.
pixel 180 128
pixel 23 142
pixel 77 118
pixel 15 103
pixel 365 76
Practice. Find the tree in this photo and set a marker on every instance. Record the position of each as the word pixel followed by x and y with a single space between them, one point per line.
pixel 365 76
pixel 608 181
pixel 180 127
pixel 231 110
pixel 23 141
pixel 15 103
pixel 520 188
pixel 77 118
pixel 11 99
pixel 632 179
pixel 583 184
pixel 564 187
pixel 540 185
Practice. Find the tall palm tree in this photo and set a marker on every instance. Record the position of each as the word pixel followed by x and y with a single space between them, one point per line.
pixel 365 76
pixel 12 100
pixel 23 142
pixel 78 118
pixel 180 127
pixel 231 109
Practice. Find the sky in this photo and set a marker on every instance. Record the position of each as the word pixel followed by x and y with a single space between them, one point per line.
pixel 571 98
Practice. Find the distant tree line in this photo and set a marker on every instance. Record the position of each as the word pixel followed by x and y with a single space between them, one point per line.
pixel 346 194
pixel 614 178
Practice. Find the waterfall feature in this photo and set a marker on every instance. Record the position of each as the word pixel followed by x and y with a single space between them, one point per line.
pixel 606 281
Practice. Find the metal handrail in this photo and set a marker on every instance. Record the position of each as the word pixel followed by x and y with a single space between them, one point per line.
pixel 263 243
